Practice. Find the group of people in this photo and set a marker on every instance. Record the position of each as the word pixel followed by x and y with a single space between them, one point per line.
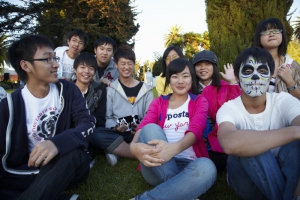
pixel 74 102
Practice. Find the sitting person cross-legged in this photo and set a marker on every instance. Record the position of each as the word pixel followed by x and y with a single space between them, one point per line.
pixel 260 131
pixel 169 143
pixel 45 127
pixel 127 103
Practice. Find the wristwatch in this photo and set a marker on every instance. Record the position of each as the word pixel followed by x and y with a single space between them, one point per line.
pixel 292 88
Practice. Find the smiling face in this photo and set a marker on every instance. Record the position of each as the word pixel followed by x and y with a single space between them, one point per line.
pixel 204 71
pixel 254 77
pixel 84 73
pixel 181 82
pixel 125 67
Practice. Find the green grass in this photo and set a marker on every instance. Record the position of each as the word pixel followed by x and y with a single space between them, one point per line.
pixel 124 181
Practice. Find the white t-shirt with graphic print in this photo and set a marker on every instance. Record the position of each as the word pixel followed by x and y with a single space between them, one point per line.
pixel 177 122
pixel 41 115
pixel 67 66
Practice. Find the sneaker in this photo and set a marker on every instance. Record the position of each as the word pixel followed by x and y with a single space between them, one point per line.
pixel 92 163
pixel 69 197
pixel 111 159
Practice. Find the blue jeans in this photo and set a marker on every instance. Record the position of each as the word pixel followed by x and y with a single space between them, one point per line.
pixel 108 140
pixel 264 176
pixel 178 178
pixel 59 174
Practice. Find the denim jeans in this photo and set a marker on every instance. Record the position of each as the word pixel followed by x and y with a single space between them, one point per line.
pixel 108 140
pixel 178 178
pixel 265 176
pixel 59 174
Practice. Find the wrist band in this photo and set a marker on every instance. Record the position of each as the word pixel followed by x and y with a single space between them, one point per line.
pixel 292 88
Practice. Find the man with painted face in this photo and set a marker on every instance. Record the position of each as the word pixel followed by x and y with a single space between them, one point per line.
pixel 260 132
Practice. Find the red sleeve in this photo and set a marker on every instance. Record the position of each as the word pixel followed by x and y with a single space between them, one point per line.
pixel 198 120
pixel 151 115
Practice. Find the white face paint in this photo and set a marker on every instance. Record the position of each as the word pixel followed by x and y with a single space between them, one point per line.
pixel 254 77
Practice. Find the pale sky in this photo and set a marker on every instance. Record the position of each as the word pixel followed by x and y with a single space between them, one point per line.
pixel 156 17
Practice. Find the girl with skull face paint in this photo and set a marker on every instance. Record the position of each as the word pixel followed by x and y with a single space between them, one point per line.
pixel 270 35
pixel 217 92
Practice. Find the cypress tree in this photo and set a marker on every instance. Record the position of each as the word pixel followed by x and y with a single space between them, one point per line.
pixel 232 23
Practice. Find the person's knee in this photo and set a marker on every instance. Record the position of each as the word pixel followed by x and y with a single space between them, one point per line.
pixel 151 132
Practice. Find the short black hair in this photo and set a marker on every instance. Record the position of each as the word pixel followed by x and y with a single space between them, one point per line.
pixel 105 40
pixel 257 53
pixel 23 49
pixel 177 66
pixel 167 51
pixel 126 52
pixel 81 34
pixel 87 59
pixel 271 23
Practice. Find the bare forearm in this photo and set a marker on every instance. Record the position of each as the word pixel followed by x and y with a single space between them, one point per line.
pixel 247 143
pixel 187 141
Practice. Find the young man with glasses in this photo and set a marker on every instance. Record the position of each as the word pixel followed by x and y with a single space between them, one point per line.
pixel 45 127
pixel 77 41
pixel 128 101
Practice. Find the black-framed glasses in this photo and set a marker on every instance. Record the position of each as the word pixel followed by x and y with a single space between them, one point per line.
pixel 49 60
pixel 274 31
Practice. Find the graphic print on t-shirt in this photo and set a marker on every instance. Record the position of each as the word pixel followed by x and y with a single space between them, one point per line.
pixel 128 121
pixel 44 124
pixel 176 120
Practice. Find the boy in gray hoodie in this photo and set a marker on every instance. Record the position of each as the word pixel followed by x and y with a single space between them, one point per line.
pixel 127 103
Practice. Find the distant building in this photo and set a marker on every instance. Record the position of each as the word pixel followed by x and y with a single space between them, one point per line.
pixel 9 73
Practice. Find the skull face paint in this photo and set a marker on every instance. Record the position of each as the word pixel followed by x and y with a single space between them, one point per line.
pixel 254 77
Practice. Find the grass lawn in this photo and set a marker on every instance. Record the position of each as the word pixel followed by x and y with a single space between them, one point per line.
pixel 124 181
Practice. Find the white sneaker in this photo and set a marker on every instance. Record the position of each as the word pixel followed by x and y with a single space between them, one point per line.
pixel 111 159
pixel 92 163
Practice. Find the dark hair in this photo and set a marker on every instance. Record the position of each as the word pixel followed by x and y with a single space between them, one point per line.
pixel 271 23
pixel 25 48
pixel 124 51
pixel 257 53
pixel 105 40
pixel 167 51
pixel 177 66
pixel 81 34
pixel 87 59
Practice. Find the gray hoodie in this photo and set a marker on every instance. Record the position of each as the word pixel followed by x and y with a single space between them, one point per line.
pixel 118 105
pixel 111 72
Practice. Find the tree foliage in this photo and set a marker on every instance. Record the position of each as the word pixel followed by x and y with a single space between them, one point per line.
pixel 294 49
pixel 174 37
pixel 55 18
pixel 3 48
pixel 232 23
pixel 297 28
pixel 190 43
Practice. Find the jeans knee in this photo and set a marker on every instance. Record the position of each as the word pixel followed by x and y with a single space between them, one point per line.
pixel 151 132
pixel 204 169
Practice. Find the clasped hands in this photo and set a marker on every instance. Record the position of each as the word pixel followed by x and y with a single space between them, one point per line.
pixel 154 153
